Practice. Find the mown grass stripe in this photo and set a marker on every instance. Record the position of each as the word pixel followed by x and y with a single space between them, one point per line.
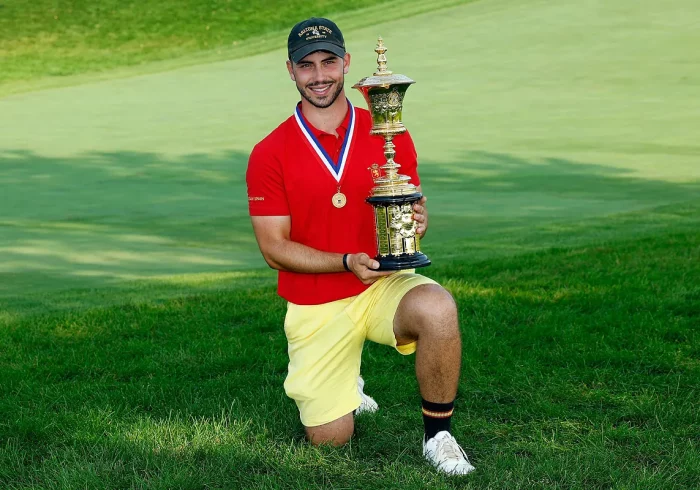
pixel 33 63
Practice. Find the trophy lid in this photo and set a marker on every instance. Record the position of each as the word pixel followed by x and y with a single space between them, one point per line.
pixel 382 77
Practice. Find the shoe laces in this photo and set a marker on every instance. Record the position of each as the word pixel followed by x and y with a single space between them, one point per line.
pixel 449 449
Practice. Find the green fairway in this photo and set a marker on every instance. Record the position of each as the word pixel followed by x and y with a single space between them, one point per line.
pixel 140 335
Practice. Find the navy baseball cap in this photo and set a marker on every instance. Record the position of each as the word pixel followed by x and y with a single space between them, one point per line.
pixel 314 34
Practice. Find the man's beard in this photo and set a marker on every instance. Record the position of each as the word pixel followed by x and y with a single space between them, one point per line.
pixel 329 99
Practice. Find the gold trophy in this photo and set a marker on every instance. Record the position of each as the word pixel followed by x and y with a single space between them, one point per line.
pixel 393 196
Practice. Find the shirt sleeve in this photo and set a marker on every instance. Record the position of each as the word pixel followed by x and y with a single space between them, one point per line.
pixel 407 157
pixel 266 193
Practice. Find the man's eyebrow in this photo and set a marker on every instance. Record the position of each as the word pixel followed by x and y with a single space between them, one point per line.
pixel 330 57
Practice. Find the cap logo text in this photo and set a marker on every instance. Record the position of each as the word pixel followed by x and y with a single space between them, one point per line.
pixel 315 32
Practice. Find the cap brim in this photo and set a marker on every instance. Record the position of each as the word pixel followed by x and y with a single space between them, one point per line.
pixel 306 50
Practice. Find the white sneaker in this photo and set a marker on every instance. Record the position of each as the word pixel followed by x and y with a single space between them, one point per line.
pixel 446 455
pixel 367 405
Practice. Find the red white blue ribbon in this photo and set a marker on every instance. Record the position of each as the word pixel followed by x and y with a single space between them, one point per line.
pixel 335 168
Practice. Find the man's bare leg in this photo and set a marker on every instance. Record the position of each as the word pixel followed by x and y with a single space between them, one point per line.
pixel 428 314
pixel 337 432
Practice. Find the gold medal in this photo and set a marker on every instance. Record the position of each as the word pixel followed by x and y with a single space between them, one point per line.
pixel 339 199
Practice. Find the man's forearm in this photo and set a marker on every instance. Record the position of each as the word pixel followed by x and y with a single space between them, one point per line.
pixel 287 255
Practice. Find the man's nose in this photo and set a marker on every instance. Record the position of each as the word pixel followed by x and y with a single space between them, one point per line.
pixel 318 75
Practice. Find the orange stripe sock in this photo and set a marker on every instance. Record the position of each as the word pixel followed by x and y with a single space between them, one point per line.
pixel 436 417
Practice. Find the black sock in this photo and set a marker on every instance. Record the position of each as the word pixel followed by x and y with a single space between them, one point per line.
pixel 436 417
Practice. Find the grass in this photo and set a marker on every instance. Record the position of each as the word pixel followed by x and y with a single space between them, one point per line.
pixel 581 369
pixel 140 334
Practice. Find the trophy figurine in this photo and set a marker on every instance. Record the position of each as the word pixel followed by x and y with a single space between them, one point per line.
pixel 393 196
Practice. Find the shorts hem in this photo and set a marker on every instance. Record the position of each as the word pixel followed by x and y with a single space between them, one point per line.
pixel 334 415
pixel 406 349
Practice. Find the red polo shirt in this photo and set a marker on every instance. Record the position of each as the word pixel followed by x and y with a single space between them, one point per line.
pixel 286 177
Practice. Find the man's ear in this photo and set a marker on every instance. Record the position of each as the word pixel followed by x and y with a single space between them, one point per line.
pixel 346 63
pixel 290 69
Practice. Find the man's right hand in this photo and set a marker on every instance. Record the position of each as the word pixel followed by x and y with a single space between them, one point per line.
pixel 365 267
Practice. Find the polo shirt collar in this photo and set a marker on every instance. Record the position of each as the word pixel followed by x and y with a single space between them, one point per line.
pixel 341 130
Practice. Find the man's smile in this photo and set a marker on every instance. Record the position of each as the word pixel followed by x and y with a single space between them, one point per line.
pixel 321 89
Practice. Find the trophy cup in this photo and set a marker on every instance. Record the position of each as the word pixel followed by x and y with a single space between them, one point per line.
pixel 393 196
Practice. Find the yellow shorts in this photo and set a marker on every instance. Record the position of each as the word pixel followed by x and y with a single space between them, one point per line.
pixel 325 346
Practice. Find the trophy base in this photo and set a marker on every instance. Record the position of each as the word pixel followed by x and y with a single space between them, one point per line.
pixel 400 262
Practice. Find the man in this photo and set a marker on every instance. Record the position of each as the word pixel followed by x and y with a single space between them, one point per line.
pixel 307 184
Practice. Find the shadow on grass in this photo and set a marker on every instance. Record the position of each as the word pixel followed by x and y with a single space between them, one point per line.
pixel 485 193
pixel 124 215
pixel 99 219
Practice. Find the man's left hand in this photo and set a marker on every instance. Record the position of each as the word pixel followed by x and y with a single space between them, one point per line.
pixel 420 215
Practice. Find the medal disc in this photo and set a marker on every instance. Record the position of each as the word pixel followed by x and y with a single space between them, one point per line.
pixel 339 200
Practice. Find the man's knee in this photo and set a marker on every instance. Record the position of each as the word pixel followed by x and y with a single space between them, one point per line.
pixel 428 308
pixel 336 433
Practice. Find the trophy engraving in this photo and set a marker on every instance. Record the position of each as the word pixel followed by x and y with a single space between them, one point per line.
pixel 393 196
